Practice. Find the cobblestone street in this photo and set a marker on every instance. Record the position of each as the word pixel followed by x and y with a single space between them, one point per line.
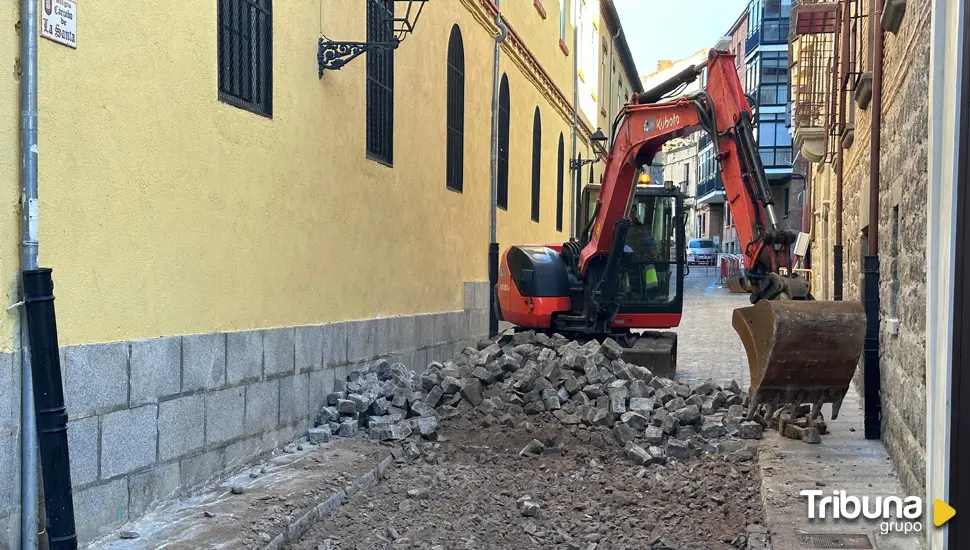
pixel 707 346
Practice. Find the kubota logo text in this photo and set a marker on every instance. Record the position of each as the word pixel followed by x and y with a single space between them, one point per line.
pixel 653 124
pixel 668 122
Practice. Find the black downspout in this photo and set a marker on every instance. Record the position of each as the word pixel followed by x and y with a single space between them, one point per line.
pixel 872 395
pixel 492 296
pixel 49 404
pixel 579 192
pixel 837 260
pixel 871 378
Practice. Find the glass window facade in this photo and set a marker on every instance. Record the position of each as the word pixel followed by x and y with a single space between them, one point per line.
pixel 768 22
pixel 766 78
pixel 709 175
pixel 774 79
pixel 774 141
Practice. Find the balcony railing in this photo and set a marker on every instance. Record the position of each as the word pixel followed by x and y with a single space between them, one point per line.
pixel 772 31
pixel 813 84
pixel 813 17
pixel 753 40
pixel 713 184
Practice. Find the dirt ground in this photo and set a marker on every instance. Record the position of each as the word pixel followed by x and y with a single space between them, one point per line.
pixel 274 493
pixel 469 495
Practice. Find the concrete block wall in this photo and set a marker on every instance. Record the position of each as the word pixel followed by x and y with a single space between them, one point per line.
pixel 152 420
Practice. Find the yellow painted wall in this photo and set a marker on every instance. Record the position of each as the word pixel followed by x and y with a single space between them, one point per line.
pixel 823 229
pixel 164 211
pixel 515 224
pixel 542 36
pixel 9 169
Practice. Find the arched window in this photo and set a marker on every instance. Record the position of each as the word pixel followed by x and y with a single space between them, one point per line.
pixel 455 171
pixel 536 163
pixel 503 144
pixel 560 173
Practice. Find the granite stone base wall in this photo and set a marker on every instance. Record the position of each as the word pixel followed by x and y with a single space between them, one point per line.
pixel 152 420
pixel 10 450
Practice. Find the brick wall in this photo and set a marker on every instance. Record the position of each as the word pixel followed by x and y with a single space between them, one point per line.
pixel 151 420
pixel 902 205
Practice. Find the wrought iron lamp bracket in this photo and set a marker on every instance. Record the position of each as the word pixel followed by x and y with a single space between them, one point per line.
pixel 333 54
pixel 576 164
pixel 401 17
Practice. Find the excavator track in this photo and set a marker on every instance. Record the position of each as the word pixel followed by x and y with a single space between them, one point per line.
pixel 801 351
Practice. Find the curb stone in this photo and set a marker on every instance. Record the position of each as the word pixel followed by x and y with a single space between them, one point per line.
pixel 761 539
pixel 301 525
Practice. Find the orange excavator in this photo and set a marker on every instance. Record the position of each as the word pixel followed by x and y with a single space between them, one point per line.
pixel 624 276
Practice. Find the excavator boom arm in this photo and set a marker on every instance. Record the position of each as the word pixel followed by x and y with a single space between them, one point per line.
pixel 723 111
pixel 799 350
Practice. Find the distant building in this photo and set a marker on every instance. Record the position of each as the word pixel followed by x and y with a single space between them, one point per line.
pixel 680 167
pixel 667 68
pixel 766 80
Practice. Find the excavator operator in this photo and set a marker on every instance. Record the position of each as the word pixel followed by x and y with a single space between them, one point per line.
pixel 642 247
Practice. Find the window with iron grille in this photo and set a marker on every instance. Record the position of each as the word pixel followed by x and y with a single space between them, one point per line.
pixel 380 82
pixel 560 181
pixel 455 171
pixel 245 50
pixel 536 163
pixel 502 197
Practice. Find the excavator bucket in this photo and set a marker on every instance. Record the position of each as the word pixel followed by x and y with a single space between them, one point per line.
pixel 737 283
pixel 801 351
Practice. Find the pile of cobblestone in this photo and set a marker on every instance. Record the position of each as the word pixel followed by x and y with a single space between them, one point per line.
pixel 503 381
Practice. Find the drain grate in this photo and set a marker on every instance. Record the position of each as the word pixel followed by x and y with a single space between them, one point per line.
pixel 824 541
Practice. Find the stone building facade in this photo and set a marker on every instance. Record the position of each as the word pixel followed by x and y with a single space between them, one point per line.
pixel 902 226
pixel 680 167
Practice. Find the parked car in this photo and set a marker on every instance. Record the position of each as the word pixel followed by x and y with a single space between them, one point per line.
pixel 701 252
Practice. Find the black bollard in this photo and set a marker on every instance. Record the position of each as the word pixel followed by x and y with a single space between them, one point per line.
pixel 49 404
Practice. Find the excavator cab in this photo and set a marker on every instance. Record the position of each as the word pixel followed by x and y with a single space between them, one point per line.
pixel 651 274
pixel 651 287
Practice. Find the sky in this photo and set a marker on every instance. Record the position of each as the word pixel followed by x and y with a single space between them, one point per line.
pixel 674 29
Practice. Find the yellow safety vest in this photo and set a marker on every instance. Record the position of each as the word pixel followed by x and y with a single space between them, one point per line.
pixel 650 276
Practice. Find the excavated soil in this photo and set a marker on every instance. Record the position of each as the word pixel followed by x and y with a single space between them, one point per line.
pixel 468 495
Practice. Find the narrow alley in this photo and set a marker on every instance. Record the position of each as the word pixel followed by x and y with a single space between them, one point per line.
pixel 464 275
pixel 494 477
